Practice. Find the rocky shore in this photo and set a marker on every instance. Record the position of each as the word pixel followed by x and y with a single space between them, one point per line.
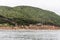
pixel 32 27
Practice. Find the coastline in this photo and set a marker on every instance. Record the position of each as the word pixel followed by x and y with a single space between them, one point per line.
pixel 29 28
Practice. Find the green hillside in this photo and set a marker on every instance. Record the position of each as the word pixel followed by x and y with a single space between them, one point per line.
pixel 25 15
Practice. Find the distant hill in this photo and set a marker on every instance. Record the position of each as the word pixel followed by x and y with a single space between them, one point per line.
pixel 25 15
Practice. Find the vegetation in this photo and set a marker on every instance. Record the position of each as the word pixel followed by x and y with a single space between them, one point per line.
pixel 25 15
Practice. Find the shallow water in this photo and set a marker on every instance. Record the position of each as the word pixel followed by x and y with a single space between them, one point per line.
pixel 29 35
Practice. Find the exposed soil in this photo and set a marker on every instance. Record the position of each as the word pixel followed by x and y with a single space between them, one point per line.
pixel 32 27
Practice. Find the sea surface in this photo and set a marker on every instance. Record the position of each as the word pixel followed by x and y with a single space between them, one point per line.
pixel 29 34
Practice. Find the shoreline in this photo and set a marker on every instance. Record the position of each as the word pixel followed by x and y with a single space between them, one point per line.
pixel 24 29
pixel 31 27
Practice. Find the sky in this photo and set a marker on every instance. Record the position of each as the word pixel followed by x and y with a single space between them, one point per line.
pixel 52 5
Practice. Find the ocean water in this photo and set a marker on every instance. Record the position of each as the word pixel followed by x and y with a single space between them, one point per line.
pixel 29 34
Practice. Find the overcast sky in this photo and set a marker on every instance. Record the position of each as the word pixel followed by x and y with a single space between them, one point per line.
pixel 52 5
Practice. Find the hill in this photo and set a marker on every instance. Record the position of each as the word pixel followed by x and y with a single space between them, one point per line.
pixel 25 15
